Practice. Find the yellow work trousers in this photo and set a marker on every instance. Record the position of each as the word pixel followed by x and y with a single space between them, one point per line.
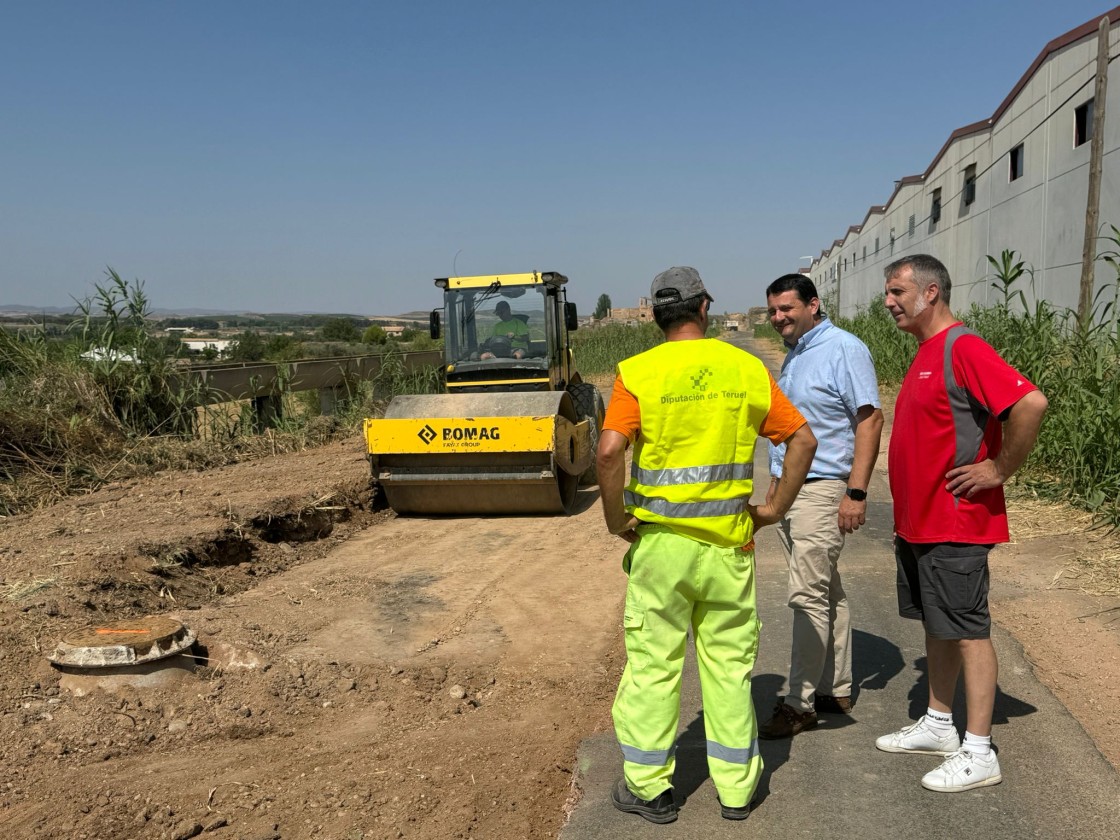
pixel 676 582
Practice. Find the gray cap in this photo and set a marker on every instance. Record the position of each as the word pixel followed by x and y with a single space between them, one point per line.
pixel 681 282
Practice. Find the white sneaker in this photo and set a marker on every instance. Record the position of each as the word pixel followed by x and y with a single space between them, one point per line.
pixel 964 771
pixel 918 738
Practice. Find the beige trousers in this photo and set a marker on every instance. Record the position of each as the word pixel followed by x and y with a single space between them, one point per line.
pixel 821 657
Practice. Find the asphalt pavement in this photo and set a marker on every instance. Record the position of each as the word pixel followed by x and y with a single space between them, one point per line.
pixel 831 781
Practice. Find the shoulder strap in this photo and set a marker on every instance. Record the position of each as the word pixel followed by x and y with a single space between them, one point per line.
pixel 970 417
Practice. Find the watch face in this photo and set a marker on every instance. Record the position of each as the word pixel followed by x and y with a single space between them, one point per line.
pixel 857 495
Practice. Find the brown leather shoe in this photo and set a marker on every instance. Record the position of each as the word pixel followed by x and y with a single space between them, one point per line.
pixel 787 722
pixel 828 705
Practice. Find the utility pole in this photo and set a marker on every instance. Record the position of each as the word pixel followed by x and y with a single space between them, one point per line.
pixel 1096 155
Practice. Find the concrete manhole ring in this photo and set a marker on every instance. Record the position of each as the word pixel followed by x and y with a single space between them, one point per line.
pixel 125 642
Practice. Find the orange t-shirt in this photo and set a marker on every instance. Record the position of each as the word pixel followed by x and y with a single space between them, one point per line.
pixel 783 419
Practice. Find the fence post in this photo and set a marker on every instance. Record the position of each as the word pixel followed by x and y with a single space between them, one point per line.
pixel 267 412
pixel 1096 155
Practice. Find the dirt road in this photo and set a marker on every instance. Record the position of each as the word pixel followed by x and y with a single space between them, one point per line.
pixel 405 678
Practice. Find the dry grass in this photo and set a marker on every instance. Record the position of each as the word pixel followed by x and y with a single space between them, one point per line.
pixel 46 478
pixel 19 590
pixel 1097 572
pixel 1093 559
pixel 1033 518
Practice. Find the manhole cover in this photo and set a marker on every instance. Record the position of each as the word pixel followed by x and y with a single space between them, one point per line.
pixel 128 642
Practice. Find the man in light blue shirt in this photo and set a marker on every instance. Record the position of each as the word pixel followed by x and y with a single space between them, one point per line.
pixel 829 376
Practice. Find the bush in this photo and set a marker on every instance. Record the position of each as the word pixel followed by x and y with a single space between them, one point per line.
pixel 247 347
pixel 374 335
pixel 341 330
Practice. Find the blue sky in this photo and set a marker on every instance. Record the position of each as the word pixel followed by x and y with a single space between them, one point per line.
pixel 337 156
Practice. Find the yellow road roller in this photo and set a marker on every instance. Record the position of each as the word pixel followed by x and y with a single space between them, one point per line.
pixel 516 431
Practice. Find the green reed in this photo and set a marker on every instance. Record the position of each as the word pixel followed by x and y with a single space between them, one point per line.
pixel 891 349
pixel 599 350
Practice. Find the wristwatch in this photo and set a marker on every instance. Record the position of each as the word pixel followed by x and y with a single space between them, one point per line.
pixel 857 495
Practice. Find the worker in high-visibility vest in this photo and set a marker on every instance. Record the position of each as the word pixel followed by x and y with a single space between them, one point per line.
pixel 693 408
pixel 512 329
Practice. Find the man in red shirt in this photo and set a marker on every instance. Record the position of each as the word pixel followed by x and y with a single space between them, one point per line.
pixel 965 421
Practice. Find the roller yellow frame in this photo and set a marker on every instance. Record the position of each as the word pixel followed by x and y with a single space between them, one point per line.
pixel 487 434
pixel 517 428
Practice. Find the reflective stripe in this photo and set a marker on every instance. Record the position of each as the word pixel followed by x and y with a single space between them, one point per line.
pixel 734 755
pixel 685 510
pixel 654 758
pixel 691 475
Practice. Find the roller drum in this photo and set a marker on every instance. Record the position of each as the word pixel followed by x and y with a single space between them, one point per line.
pixel 484 454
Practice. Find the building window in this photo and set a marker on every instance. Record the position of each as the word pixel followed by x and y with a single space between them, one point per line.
pixel 892 240
pixel 935 206
pixel 876 244
pixel 1083 124
pixel 911 225
pixel 1015 163
pixel 865 253
pixel 969 194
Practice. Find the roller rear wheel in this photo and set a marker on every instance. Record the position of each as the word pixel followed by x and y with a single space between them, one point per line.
pixel 589 406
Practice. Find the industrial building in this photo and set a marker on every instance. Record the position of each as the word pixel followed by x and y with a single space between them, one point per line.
pixel 1017 180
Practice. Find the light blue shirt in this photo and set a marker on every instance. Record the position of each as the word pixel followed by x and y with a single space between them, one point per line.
pixel 828 375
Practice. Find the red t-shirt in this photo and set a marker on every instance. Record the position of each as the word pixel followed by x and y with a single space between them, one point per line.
pixel 940 424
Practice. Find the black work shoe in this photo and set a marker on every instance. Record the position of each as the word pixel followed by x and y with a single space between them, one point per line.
pixel 828 705
pixel 660 809
pixel 729 813
pixel 787 722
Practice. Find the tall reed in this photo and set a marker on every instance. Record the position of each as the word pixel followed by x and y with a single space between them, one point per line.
pixel 891 349
pixel 599 350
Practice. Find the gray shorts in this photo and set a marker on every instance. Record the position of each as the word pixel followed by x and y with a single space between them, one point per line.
pixel 945 586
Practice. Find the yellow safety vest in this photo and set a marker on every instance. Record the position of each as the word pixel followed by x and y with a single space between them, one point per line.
pixel 702 403
pixel 516 326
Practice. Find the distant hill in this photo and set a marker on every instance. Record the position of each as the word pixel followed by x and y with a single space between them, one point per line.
pixel 17 309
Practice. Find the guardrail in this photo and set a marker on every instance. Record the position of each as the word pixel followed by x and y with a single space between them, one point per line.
pixel 265 384
pixel 243 381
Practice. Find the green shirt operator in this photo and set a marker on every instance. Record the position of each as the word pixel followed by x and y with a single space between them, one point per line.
pixel 516 330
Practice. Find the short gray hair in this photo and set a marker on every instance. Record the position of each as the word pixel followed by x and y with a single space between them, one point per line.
pixel 926 270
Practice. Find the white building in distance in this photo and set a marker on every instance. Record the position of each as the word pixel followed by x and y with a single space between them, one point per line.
pixel 198 345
